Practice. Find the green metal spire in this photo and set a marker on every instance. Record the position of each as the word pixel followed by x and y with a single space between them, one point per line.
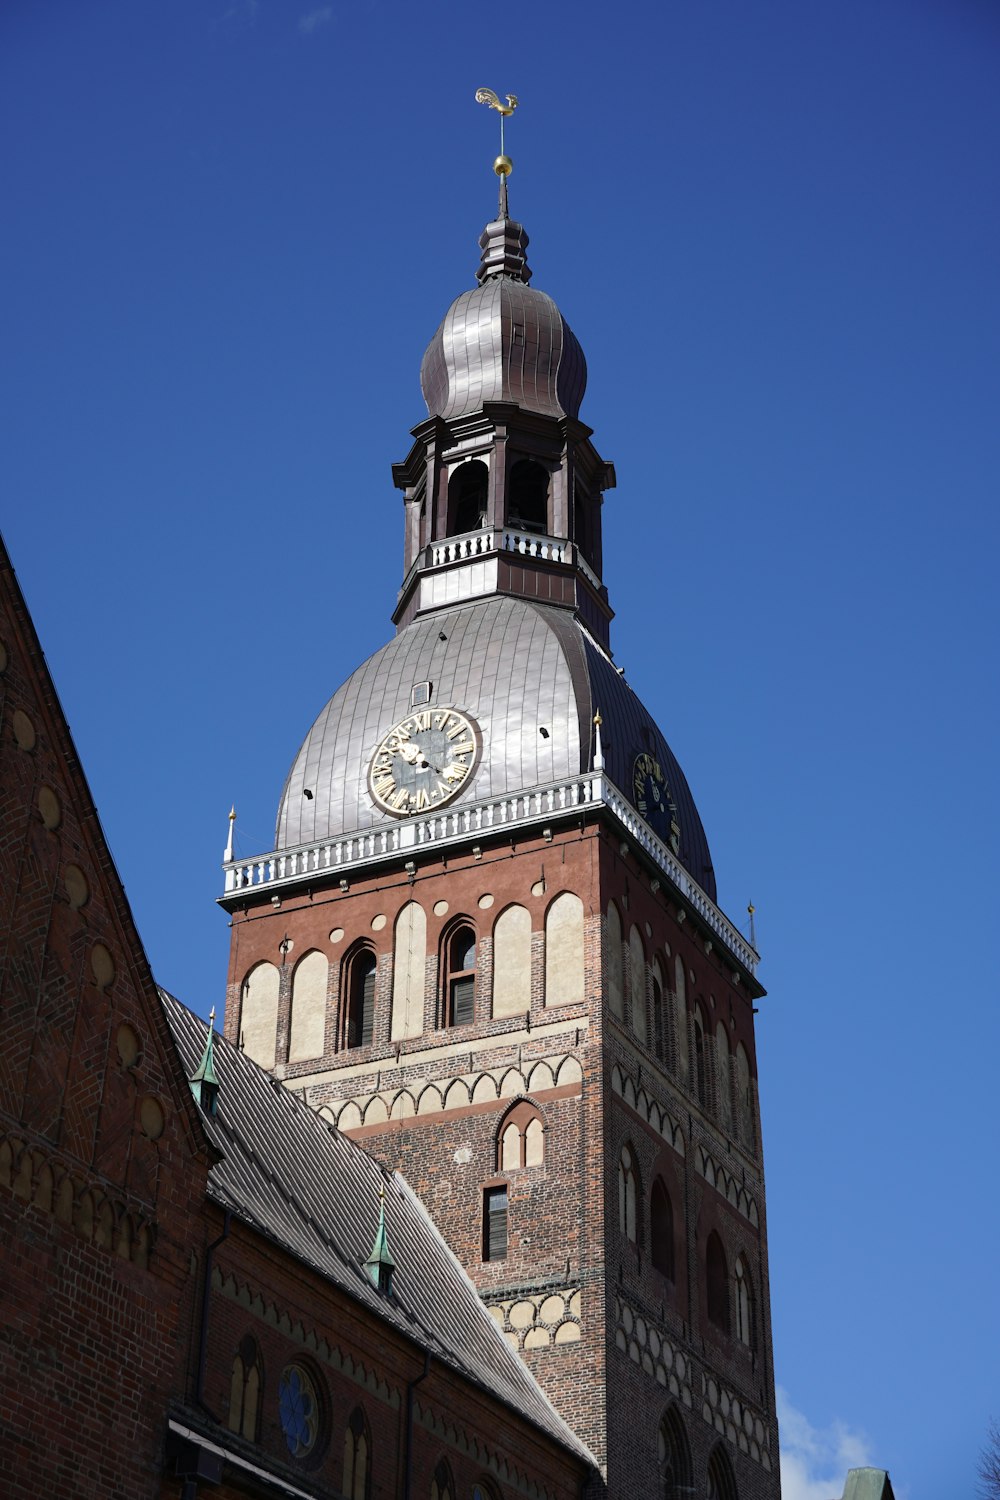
pixel 380 1264
pixel 204 1083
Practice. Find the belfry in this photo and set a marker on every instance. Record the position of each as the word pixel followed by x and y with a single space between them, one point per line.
pixel 486 942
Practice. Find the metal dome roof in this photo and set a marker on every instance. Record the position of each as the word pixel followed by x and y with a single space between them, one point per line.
pixel 517 668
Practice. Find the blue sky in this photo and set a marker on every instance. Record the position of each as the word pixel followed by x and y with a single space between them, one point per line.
pixel 230 230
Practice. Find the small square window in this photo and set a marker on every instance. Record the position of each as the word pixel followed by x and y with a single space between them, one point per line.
pixel 420 694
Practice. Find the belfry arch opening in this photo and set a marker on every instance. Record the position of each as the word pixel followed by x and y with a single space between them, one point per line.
pixel 528 497
pixel 468 490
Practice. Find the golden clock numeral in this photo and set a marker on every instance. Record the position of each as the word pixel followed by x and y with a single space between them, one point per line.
pixel 422 800
pixel 464 748
pixel 440 720
pixel 458 729
pixel 400 799
pixel 455 773
pixel 383 781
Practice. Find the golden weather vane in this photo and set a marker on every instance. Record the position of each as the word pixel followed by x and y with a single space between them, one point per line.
pixel 503 165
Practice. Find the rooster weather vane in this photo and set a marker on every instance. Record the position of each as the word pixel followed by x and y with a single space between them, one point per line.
pixel 503 164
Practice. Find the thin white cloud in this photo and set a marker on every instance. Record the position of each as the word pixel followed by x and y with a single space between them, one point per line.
pixel 815 1460
pixel 314 18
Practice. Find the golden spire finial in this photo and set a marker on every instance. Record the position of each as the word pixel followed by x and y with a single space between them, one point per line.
pixel 503 166
pixel 211 1016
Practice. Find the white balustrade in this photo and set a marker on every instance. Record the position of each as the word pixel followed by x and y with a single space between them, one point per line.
pixel 522 809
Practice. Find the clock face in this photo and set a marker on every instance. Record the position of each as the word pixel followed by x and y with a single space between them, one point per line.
pixel 653 800
pixel 424 761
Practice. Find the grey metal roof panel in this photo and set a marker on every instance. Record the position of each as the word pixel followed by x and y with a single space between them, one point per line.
pixel 301 1183
pixel 515 667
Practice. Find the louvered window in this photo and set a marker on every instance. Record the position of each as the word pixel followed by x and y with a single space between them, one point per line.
pixel 460 999
pixel 361 1001
pixel 495 1224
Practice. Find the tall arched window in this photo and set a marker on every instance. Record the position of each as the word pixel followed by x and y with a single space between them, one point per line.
pixel 357 1457
pixel 717 1283
pixel 244 1391
pixel 520 1138
pixel 700 1070
pixel 468 489
pixel 721 1484
pixel 628 1194
pixel 744 1303
pixel 722 1093
pixel 459 990
pixel 528 497
pixel 675 1457
pixel 661 1224
pixel 359 991
pixel 660 1025
pixel 442 1485
pixel 744 1098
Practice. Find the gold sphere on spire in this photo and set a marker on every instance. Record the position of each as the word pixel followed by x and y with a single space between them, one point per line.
pixel 503 166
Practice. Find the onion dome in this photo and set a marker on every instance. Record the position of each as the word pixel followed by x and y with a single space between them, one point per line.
pixel 503 341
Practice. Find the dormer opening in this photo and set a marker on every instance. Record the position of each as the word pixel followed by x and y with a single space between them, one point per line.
pixel 467 497
pixel 528 497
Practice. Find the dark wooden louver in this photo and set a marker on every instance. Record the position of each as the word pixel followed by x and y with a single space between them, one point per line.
pixel 495 1224
pixel 463 1000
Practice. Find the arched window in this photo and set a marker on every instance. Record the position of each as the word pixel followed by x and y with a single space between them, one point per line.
pixel 520 1138
pixel 512 962
pixel 660 1023
pixel 637 982
pixel 244 1391
pixel 744 1303
pixel 442 1485
pixel 722 1094
pixel 357 1457
pixel 744 1098
pixel 468 490
pixel 680 1061
pixel 700 1071
pixel 359 989
pixel 662 1229
pixel 675 1457
pixel 459 991
pixel 628 1194
pixel 564 955
pixel 721 1484
pixel 613 963
pixel 717 1283
pixel 528 497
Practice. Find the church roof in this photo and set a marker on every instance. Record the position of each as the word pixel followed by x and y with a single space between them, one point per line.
pixel 296 1180
pixel 518 669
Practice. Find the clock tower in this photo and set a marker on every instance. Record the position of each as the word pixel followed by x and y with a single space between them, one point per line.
pixel 486 942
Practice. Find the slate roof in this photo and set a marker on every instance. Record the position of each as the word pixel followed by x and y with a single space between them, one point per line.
pixel 299 1182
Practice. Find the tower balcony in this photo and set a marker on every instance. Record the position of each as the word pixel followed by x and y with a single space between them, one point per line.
pixel 464 823
pixel 503 559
